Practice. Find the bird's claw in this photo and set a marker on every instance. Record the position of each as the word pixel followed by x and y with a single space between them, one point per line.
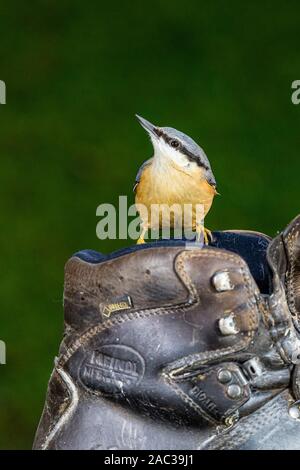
pixel 207 235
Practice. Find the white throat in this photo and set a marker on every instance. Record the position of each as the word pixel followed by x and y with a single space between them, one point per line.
pixel 165 155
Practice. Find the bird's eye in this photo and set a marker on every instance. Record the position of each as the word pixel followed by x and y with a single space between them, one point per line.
pixel 174 143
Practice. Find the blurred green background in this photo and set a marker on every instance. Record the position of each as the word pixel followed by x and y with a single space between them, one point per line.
pixel 76 73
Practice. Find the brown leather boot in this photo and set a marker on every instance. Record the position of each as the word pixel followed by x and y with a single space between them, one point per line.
pixel 172 346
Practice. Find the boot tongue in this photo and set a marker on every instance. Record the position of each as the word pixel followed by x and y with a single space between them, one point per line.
pixel 252 247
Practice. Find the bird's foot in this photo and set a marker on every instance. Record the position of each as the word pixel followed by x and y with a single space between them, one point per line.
pixel 207 235
pixel 141 239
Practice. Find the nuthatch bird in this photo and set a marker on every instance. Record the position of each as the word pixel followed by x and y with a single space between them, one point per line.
pixel 178 173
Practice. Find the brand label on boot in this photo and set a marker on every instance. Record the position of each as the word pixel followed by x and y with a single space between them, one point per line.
pixel 204 401
pixel 112 369
pixel 115 305
pixel 219 391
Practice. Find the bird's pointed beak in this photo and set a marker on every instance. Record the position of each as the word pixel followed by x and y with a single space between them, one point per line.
pixel 150 128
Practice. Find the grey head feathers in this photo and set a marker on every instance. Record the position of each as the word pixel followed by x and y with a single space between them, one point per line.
pixel 181 143
pixel 188 147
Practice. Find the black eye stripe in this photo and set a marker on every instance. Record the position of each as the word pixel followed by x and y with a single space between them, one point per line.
pixel 169 140
pixel 182 148
pixel 193 158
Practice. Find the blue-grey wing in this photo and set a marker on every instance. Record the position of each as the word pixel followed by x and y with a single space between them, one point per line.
pixel 140 172
pixel 211 179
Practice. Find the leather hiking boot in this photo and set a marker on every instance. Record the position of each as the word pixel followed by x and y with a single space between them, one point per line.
pixel 169 345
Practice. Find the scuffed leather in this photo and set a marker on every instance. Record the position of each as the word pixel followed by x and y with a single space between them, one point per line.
pixel 144 360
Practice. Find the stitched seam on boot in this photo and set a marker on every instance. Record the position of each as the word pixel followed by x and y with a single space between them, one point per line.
pixel 203 358
pixel 68 412
pixel 187 281
pixel 206 357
